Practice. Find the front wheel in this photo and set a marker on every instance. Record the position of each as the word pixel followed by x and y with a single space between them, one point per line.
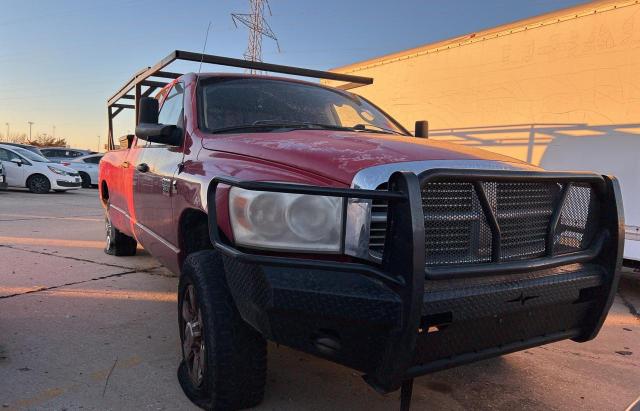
pixel 117 244
pixel 224 360
pixel 39 184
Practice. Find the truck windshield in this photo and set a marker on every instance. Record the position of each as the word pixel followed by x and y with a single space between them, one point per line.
pixel 31 155
pixel 258 104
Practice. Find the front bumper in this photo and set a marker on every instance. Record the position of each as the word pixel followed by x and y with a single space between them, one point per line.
pixel 397 320
pixel 66 184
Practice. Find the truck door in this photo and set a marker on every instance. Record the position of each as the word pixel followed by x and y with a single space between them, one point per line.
pixel 14 173
pixel 153 182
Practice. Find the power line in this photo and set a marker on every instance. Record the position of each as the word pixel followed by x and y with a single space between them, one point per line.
pixel 258 28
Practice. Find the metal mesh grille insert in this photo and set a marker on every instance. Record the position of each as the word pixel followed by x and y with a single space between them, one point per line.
pixel 457 230
pixel 523 211
pixel 576 227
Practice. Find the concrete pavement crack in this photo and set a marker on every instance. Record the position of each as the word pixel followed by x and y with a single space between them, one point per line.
pixel 128 270
pixel 632 308
pixel 109 376
pixel 84 260
pixel 53 287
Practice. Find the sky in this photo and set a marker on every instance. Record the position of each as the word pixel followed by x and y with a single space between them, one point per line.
pixel 60 60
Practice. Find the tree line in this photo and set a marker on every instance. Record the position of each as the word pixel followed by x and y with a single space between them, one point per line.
pixel 41 140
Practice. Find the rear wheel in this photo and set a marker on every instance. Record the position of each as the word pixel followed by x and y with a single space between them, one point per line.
pixel 224 361
pixel 86 180
pixel 118 244
pixel 38 184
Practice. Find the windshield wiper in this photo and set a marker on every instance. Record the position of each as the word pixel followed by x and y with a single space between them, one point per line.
pixel 380 129
pixel 302 124
pixel 244 127
pixel 293 125
pixel 276 124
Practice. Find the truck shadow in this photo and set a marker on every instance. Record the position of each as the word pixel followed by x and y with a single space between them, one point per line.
pixel 553 145
pixel 296 378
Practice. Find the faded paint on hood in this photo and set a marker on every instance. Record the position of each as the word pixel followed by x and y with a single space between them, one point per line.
pixel 340 155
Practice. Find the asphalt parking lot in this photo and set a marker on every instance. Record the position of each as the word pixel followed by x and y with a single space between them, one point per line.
pixel 83 330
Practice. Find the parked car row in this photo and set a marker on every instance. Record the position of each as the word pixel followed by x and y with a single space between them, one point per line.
pixel 22 166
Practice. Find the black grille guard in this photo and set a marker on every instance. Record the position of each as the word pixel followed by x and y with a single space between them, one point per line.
pixel 403 267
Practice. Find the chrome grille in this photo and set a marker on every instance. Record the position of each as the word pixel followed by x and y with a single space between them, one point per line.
pixel 457 230
pixel 378 225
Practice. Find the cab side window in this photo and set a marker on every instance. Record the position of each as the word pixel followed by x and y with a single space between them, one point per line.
pixel 172 108
pixel 171 112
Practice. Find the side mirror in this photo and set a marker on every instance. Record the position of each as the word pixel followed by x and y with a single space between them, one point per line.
pixel 17 161
pixel 422 129
pixel 148 110
pixel 148 127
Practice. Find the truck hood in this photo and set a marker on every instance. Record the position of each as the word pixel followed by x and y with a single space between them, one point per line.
pixel 339 155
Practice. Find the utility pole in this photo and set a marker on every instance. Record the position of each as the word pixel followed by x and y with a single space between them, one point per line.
pixel 30 124
pixel 258 27
pixel 7 136
pixel 54 131
pixel 98 143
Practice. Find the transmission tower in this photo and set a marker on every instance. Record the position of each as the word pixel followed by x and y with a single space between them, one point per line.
pixel 258 27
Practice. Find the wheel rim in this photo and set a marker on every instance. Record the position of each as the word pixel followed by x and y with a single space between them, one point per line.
pixel 192 336
pixel 38 184
pixel 107 224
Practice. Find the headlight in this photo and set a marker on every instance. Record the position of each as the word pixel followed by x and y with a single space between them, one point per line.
pixel 283 221
pixel 58 171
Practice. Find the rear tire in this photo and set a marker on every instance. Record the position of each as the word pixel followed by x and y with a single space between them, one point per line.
pixel 38 184
pixel 231 366
pixel 118 244
pixel 86 180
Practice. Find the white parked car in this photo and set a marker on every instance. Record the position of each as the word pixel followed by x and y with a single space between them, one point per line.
pixel 87 166
pixel 24 168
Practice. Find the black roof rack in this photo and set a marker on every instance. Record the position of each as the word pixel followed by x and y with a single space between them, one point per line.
pixel 121 100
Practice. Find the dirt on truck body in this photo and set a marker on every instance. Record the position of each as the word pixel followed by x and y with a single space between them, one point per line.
pixel 305 215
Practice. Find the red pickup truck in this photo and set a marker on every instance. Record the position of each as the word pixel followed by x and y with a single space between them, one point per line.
pixel 306 215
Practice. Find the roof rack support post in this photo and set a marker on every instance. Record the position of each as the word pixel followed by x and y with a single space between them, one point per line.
pixel 137 100
pixel 110 144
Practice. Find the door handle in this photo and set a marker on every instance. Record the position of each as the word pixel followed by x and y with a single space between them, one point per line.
pixel 142 167
pixel 124 164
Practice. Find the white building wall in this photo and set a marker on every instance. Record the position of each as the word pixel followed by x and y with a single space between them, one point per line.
pixel 561 91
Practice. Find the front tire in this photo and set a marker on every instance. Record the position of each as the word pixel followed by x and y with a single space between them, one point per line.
pixel 86 180
pixel 224 363
pixel 117 244
pixel 39 184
